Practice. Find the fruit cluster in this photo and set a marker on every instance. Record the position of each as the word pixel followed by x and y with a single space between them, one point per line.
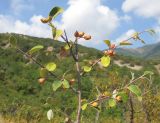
pixel 111 50
pixel 82 35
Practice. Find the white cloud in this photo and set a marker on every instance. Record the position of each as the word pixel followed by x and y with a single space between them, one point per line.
pixel 18 6
pixel 91 17
pixel 125 35
pixel 34 27
pixel 146 8
pixel 126 18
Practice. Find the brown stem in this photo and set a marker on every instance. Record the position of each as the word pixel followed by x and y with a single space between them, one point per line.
pixel 21 51
pixel 100 104
pixel 129 38
pixel 132 109
pixel 97 116
pixel 99 99
pixel 78 120
pixel 67 41
pixel 92 65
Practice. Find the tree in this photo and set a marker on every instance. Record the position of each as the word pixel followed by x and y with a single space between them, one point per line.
pixel 71 49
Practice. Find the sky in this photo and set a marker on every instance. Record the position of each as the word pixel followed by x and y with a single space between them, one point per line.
pixel 115 20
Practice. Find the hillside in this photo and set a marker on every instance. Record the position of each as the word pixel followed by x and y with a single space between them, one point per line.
pixel 151 51
pixel 24 99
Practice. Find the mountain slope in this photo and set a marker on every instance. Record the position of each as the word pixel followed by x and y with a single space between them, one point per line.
pixel 151 51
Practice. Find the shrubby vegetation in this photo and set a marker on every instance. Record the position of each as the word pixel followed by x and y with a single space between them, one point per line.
pixel 107 95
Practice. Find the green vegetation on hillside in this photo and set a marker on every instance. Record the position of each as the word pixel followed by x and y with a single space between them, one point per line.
pixel 24 99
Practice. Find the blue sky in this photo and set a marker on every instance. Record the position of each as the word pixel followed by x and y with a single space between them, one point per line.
pixel 103 19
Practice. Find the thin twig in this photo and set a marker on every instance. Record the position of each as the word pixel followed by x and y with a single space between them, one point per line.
pixel 21 51
pixel 92 65
pixel 78 120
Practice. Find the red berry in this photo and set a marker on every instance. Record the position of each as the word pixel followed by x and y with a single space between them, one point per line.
pixel 112 46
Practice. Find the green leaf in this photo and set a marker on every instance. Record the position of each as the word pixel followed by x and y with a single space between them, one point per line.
pixel 54 32
pixel 43 72
pixel 151 32
pixel 58 34
pixel 84 106
pixel 35 49
pixel 66 47
pixel 135 89
pixel 51 66
pixel 142 41
pixel 65 84
pixel 107 42
pixel 13 41
pixel 112 102
pixel 105 61
pixel 87 68
pixel 55 11
pixel 135 36
pixel 56 85
pixel 148 72
pixel 125 43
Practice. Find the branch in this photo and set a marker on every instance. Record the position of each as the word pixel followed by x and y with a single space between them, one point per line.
pixel 92 65
pixel 70 47
pixel 132 109
pixel 130 38
pixel 39 64
pixel 99 99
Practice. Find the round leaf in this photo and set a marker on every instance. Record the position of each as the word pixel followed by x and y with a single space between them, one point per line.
pixel 51 66
pixel 66 47
pixel 87 69
pixel 84 106
pixel 50 114
pixel 112 102
pixel 58 34
pixel 107 42
pixel 35 49
pixel 105 61
pixel 65 84
pixel 135 89
pixel 56 85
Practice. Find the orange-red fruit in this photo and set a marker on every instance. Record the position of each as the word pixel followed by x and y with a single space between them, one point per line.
pixel 79 34
pixel 119 98
pixel 94 104
pixel 46 20
pixel 76 34
pixel 109 52
pixel 112 46
pixel 87 37
pixel 41 80
pixel 72 81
